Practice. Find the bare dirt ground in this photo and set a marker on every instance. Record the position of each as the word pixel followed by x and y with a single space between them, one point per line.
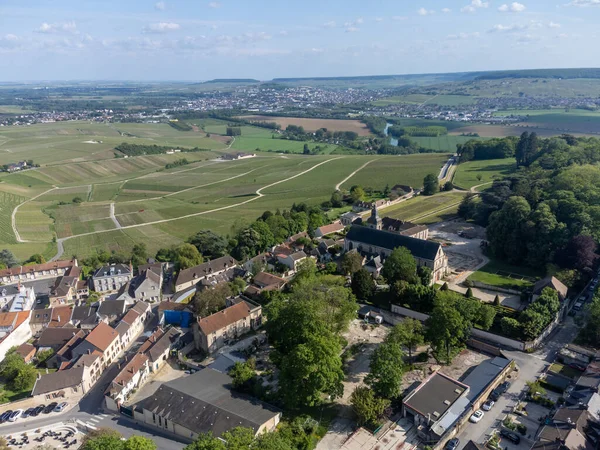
pixel 315 124
pixel 168 372
pixel 222 139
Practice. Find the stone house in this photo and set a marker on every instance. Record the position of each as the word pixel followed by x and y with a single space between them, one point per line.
pixel 189 278
pixel 111 278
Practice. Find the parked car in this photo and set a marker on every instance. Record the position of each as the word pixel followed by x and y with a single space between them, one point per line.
pixel 452 444
pixel 577 306
pixel 512 437
pixel 578 366
pixel 477 416
pixel 60 407
pixel 28 413
pixel 15 415
pixel 37 410
pixel 488 405
pixel 48 409
pixel 4 417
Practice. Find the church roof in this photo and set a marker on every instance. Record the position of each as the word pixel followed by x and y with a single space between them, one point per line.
pixel 386 239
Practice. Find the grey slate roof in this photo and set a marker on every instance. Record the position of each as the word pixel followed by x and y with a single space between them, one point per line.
pixel 82 313
pixel 483 375
pixel 55 337
pixel 430 396
pixel 63 379
pixel 386 239
pixel 112 308
pixel 203 402
pixel 207 268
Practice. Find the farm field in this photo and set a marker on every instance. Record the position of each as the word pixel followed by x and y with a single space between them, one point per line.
pixel 443 100
pixel 7 204
pixel 442 143
pixel 509 130
pixel 408 170
pixel 465 176
pixel 33 224
pixel 315 124
pixel 268 144
pixel 422 209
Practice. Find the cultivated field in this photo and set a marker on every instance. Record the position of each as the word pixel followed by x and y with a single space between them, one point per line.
pixel 443 100
pixel 315 124
pixel 424 209
pixel 510 130
pixel 466 175
pixel 442 143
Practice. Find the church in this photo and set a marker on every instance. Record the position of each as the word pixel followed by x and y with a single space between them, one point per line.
pixel 372 240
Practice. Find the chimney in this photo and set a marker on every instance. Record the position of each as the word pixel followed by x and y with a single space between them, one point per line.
pixel 89 352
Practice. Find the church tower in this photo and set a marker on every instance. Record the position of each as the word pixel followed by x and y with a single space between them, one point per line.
pixel 374 221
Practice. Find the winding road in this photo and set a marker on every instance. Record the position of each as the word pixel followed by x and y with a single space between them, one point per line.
pixel 337 186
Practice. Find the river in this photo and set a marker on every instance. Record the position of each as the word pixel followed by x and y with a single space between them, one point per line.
pixel 393 141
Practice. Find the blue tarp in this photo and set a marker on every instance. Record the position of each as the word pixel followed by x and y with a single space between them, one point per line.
pixel 182 319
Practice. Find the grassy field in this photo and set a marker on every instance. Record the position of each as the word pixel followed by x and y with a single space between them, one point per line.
pixel 443 100
pixel 446 142
pixel 506 276
pixel 315 124
pixel 466 175
pixel 7 204
pixel 423 209
pixel 268 144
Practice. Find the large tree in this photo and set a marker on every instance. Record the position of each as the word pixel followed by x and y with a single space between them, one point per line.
pixel 239 438
pixel 367 407
pixel 102 439
pixel 400 265
pixel 363 285
pixel 431 185
pixel 409 334
pixel 579 253
pixel 447 331
pixel 351 262
pixel 139 443
pixel 506 231
pixel 386 369
pixel 7 258
pixel 206 441
pixel 209 301
pixel 186 256
pixel 209 244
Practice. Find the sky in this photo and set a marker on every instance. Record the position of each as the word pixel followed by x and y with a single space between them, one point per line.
pixel 195 40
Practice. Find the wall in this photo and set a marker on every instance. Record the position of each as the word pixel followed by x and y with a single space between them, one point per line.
pixel 480 285
pixel 19 336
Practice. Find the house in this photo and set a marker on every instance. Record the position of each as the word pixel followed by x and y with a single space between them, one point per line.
pixel 111 278
pixel 56 338
pixel 68 288
pixel 213 332
pixel 61 315
pixel 61 385
pixel 16 298
pixel 366 206
pixel 576 354
pixel 405 228
pixel 374 266
pixel 146 286
pixel 35 271
pixel 368 313
pixel 436 405
pixel 372 242
pixel 40 319
pixel 14 330
pixel 570 428
pixel 158 346
pixel 204 403
pixel 350 218
pixel 552 283
pixel 326 249
pixel 132 376
pixel 65 353
pixel 292 261
pixel 188 278
pixel 103 339
pixel 171 313
pixel 237 155
pixel 326 230
pixel 111 310
pixel 132 324
pixel 85 317
pixel 26 351
pixel 264 281
pixel 264 261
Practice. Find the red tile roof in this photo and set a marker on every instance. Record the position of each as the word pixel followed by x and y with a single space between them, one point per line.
pixel 102 336
pixel 61 315
pixel 224 318
pixel 36 268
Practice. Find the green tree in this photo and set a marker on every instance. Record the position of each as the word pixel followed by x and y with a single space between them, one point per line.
pixel 102 439
pixel 205 441
pixel 431 185
pixel 25 378
pixel 209 244
pixel 363 285
pixel 36 259
pixel 237 286
pixel 367 407
pixel 210 301
pixel 532 323
pixel 447 331
pixel 77 200
pixel 351 262
pixel 496 300
pixel 139 254
pixel 186 256
pixel 271 441
pixel 139 443
pixel 469 293
pixel 511 327
pixel 400 265
pixel 8 259
pixel 506 230
pixel 386 369
pixel 409 334
pixel 241 374
pixel 239 438
pixel 357 194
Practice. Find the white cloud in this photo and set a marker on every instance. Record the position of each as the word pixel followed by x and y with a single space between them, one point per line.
pixel 554 25
pixel 462 36
pixel 399 17
pixel 351 29
pixel 507 28
pixel 446 10
pixel 475 4
pixel 161 6
pixel 59 27
pixel 513 7
pixel 425 12
pixel 378 19
pixel 585 3
pixel 214 5
pixel 161 27
pixel 562 36
pixel 359 20
pixel 528 38
pixel 330 24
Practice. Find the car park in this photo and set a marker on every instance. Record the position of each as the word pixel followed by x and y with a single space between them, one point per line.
pixel 488 405
pixel 60 407
pixel 15 415
pixel 37 410
pixel 48 409
pixel 512 437
pixel 477 416
pixel 452 444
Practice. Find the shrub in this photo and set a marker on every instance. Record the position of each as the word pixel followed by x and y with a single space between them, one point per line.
pixel 522 429
pixel 468 283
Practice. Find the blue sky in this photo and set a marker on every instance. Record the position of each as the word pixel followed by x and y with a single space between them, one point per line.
pixel 200 40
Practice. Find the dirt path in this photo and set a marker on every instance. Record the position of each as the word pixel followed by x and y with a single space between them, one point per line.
pixel 112 215
pixel 258 193
pixel 337 186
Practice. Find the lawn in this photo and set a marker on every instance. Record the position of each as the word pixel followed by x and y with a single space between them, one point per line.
pixel 565 370
pixel 467 174
pixel 506 276
pixel 424 209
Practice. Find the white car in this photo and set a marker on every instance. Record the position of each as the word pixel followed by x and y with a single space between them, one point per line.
pixel 15 415
pixel 477 416
pixel 60 407
pixel 488 405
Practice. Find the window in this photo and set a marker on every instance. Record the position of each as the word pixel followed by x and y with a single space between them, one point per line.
pixel 153 417
pixel 166 423
pixel 159 421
